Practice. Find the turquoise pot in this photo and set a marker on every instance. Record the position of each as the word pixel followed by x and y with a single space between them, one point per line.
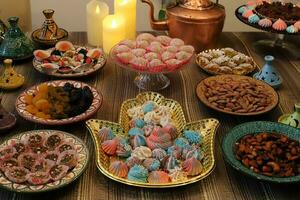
pixel 16 45
pixel 269 74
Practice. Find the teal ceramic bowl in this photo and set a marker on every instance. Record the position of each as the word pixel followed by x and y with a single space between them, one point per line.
pixel 251 128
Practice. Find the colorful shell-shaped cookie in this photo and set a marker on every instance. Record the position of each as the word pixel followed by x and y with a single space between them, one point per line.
pixel 64 46
pixel 279 25
pixel 135 131
pixel 141 152
pixel 170 163
pixel 175 151
pixel 192 166
pixel 105 134
pixel 159 139
pixel 123 150
pixel 139 123
pixel 265 23
pixel 118 168
pixel 253 19
pixel 181 142
pixel 196 153
pixel 109 147
pixel 247 14
pixel 138 140
pixel 159 154
pixel 193 137
pixel 292 29
pixel 151 164
pixel 132 160
pixel 149 106
pixel 158 177
pixel 172 130
pixel 138 173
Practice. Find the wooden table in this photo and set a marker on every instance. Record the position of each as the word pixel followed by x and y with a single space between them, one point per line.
pixel 117 85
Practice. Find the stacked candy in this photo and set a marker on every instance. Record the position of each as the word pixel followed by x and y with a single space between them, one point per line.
pixel 153 54
pixel 278 25
pixel 152 152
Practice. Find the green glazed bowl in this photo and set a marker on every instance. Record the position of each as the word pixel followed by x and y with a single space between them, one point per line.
pixel 251 128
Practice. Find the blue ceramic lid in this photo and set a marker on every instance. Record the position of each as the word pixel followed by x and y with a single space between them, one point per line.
pixel 268 73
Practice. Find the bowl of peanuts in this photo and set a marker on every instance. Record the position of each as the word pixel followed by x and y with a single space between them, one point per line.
pixel 266 151
pixel 237 95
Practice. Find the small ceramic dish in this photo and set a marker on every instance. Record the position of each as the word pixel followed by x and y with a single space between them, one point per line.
pixel 207 127
pixel 200 91
pixel 83 157
pixel 96 104
pixel 241 130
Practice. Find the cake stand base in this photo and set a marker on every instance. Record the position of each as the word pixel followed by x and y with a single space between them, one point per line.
pixel 151 82
pixel 270 45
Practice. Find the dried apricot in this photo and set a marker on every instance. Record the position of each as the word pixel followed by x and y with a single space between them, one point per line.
pixel 28 99
pixel 42 104
pixel 43 88
pixel 32 109
pixel 38 96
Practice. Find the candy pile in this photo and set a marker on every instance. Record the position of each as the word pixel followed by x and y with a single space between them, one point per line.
pixel 66 58
pixel 39 158
pixel 152 152
pixel 280 17
pixel 153 54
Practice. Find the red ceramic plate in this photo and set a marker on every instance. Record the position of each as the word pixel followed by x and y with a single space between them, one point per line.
pixel 96 104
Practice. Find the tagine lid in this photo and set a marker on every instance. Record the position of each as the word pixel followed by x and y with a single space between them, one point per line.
pixel 198 11
pixel 49 33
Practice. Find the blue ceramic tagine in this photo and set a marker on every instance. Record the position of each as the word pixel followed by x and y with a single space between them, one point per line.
pixel 15 44
pixel 269 74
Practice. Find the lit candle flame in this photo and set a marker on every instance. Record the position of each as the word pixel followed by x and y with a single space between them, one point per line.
pixel 113 24
pixel 124 2
pixel 97 9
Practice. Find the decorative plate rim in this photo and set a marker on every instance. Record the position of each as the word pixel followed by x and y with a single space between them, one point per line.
pixel 95 67
pixel 97 102
pixel 200 97
pixel 256 66
pixel 246 171
pixel 80 171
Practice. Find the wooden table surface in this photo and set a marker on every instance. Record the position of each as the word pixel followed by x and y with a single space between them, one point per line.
pixel 116 85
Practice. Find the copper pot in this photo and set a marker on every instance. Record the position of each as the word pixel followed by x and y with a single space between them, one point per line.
pixel 199 26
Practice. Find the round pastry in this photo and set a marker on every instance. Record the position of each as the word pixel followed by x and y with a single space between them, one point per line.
pixel 129 43
pixel 145 36
pixel 193 137
pixel 105 134
pixel 143 44
pixel 159 139
pixel 265 23
pixel 159 154
pixel 165 40
pixel 141 152
pixel 121 49
pixel 279 25
pixel 125 57
pixel 151 164
pixel 138 173
pixel 192 166
pixel 157 177
pixel 118 168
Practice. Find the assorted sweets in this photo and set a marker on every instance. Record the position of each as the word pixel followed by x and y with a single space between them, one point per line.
pixel 225 61
pixel 58 102
pixel 10 79
pixel 272 15
pixel 38 158
pixel 66 58
pixel 270 154
pixel 153 54
pixel 153 151
pixel 237 94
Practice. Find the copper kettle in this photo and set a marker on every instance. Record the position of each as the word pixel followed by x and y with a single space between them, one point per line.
pixel 197 22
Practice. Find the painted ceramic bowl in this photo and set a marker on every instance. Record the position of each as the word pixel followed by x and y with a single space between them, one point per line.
pixel 207 127
pixel 96 104
pixel 83 157
pixel 241 130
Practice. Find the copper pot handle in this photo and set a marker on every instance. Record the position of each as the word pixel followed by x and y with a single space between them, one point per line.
pixel 156 24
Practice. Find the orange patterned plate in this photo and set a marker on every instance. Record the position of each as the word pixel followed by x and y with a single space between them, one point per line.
pixel 83 157
pixel 96 104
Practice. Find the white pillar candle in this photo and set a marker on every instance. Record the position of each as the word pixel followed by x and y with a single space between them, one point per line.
pixel 95 12
pixel 113 31
pixel 127 8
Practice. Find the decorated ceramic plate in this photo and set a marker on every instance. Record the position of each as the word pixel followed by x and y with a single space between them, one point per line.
pixel 93 108
pixel 241 130
pixel 237 95
pixel 225 61
pixel 77 62
pixel 73 174
pixel 206 127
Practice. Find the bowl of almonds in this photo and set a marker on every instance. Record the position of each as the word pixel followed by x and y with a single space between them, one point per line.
pixel 237 95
